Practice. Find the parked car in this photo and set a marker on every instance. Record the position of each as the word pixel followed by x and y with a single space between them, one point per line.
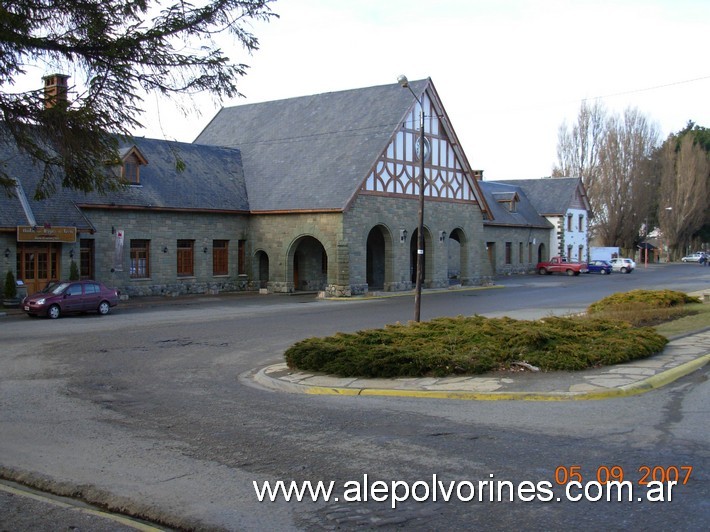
pixel 622 265
pixel 69 297
pixel 599 266
pixel 694 257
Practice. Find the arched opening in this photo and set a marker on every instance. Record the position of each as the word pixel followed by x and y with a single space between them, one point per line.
pixel 541 253
pixel 262 268
pixel 491 250
pixel 456 257
pixel 310 264
pixel 379 260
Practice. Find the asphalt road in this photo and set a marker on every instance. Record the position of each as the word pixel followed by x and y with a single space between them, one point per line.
pixel 150 410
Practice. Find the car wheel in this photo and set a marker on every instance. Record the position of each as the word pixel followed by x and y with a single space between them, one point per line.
pixel 570 272
pixel 542 271
pixel 603 272
pixel 623 270
pixel 104 308
pixel 53 312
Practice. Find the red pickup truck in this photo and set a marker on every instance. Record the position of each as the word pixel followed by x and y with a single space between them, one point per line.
pixel 560 265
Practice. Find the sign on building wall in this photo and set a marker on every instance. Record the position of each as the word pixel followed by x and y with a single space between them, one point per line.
pixel 47 233
pixel 118 251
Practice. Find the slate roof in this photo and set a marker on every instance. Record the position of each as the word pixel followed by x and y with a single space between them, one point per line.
pixel 550 196
pixel 59 210
pixel 525 214
pixel 311 152
pixel 211 181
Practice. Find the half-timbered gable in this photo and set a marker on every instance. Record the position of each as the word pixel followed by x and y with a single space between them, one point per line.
pixel 397 169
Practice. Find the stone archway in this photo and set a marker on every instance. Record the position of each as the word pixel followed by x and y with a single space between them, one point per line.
pixel 262 268
pixel 379 258
pixel 457 260
pixel 309 262
pixel 541 253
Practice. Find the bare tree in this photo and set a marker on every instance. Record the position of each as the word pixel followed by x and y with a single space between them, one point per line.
pixel 624 192
pixel 685 189
pixel 578 145
pixel 611 154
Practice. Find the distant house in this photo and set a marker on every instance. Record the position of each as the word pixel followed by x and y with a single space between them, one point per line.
pixel 517 237
pixel 564 203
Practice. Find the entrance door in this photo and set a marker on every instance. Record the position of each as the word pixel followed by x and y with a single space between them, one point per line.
pixel 38 265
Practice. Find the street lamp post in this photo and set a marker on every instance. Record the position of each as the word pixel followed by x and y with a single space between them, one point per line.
pixel 404 82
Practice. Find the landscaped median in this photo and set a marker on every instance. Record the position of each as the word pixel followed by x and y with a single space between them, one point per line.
pixel 606 335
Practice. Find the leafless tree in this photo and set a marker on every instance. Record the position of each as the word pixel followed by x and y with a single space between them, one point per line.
pixel 578 145
pixel 612 155
pixel 625 192
pixel 685 191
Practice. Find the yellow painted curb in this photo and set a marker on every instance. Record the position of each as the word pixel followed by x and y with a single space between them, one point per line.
pixel 646 385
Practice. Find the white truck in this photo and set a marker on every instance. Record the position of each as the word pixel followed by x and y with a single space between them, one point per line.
pixel 602 253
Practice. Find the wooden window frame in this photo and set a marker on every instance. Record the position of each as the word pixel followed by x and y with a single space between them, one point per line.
pixel 220 257
pixel 139 249
pixel 185 258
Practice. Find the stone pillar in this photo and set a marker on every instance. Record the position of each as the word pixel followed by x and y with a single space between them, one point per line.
pixel 339 278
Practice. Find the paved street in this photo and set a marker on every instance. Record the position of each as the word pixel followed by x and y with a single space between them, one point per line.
pixel 150 410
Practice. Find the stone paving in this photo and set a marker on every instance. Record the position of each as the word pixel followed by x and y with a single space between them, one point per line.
pixel 680 357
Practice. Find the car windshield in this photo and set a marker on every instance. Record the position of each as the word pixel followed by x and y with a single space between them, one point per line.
pixel 58 288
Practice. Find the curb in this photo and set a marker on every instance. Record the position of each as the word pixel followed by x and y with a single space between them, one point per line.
pixel 646 385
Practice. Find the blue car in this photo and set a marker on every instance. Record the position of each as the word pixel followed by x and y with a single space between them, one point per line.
pixel 599 266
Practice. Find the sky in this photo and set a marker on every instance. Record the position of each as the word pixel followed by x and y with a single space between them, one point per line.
pixel 509 72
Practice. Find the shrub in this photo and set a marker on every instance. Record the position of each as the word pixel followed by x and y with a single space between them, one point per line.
pixel 474 345
pixel 644 307
pixel 647 298
pixel 10 289
pixel 73 271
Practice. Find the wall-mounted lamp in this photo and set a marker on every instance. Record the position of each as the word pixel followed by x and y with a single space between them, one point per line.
pixel 165 249
pixel 71 253
pixel 204 249
pixel 403 235
pixel 442 236
pixel 7 253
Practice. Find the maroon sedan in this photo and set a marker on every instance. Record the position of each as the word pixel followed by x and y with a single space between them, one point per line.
pixel 71 296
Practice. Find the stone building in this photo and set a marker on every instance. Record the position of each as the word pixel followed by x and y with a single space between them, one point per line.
pixel 517 237
pixel 311 193
pixel 316 193
pixel 564 203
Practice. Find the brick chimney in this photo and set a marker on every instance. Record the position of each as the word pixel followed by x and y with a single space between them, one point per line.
pixel 56 89
pixel 478 175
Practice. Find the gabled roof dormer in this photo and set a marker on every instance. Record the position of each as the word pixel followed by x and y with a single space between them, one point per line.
pixel 509 200
pixel 131 161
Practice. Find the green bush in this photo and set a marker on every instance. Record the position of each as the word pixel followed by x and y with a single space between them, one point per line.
pixel 474 345
pixel 73 271
pixel 10 289
pixel 646 298
pixel 644 307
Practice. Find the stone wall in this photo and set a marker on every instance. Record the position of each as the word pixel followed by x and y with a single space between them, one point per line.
pixel 529 238
pixel 395 215
pixel 163 230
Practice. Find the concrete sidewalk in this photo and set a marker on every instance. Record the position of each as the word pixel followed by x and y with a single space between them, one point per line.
pixel 679 358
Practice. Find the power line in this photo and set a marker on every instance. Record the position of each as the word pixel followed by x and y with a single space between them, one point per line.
pixel 655 87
